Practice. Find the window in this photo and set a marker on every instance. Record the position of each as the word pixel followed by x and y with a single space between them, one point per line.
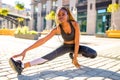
pixel 81 1
pixel 82 20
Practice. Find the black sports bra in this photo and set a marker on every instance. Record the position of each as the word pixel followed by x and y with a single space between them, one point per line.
pixel 68 37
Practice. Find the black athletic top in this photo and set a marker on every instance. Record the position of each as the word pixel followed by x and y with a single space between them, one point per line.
pixel 70 36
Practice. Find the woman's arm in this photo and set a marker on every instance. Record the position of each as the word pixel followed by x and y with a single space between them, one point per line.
pixel 42 40
pixel 38 43
pixel 76 48
pixel 77 36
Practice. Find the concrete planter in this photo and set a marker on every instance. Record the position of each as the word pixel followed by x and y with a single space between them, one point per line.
pixel 113 33
pixel 7 32
pixel 27 36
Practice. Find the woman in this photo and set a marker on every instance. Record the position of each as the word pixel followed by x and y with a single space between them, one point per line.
pixel 69 29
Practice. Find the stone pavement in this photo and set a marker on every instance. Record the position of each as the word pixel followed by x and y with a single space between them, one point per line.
pixel 105 67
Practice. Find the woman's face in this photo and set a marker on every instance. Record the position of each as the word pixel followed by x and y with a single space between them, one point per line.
pixel 62 16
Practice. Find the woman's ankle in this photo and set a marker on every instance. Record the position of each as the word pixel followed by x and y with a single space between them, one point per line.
pixel 26 65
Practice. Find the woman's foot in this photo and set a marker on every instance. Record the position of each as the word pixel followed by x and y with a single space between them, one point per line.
pixel 16 65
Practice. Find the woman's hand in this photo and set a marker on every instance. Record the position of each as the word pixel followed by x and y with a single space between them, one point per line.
pixel 21 54
pixel 75 62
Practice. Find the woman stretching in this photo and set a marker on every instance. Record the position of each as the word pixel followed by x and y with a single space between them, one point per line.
pixel 69 29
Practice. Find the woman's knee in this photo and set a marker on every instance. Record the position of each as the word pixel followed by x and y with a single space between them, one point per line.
pixel 93 55
pixel 90 54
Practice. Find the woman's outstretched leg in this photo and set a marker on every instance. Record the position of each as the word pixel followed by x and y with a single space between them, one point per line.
pixel 34 62
pixel 18 66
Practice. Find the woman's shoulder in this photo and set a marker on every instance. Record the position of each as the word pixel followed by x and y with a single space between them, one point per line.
pixel 74 23
pixel 56 29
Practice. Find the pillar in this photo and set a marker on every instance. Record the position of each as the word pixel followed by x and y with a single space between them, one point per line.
pixel 0 18
pixel 115 18
pixel 0 3
pixel 39 18
pixel 73 8
pixel 32 15
pixel 48 9
pixel 91 16
pixel 8 24
pixel 59 3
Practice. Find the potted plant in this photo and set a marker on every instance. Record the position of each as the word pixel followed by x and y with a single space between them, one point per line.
pixel 25 33
pixel 112 32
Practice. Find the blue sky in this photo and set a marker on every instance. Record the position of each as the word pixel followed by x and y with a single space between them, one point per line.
pixel 12 2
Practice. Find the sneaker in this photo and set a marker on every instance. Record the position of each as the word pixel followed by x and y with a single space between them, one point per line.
pixel 71 55
pixel 16 65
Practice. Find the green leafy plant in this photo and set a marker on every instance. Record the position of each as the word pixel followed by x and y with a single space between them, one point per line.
pixel 4 11
pixel 113 7
pixel 50 16
pixel 33 32
pixel 19 6
pixel 20 19
pixel 25 30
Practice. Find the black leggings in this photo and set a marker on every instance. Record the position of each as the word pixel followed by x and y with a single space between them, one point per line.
pixel 65 48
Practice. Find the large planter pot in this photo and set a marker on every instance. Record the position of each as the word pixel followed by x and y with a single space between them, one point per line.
pixel 27 36
pixel 113 33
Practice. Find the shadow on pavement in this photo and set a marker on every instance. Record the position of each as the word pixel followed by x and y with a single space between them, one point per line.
pixel 70 74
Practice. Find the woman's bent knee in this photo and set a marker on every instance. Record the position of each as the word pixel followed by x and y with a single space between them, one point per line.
pixel 94 55
pixel 90 55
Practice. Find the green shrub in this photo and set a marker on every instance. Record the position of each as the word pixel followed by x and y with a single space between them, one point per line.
pixel 24 30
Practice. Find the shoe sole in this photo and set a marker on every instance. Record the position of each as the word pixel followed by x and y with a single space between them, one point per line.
pixel 13 66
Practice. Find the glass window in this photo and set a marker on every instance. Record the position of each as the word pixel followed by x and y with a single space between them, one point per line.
pixel 103 21
pixel 102 11
pixel 81 1
pixel 82 20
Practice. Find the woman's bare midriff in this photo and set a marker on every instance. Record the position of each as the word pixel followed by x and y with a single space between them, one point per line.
pixel 69 42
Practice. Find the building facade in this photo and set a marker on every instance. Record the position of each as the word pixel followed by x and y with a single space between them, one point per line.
pixel 92 15
pixel 13 14
pixel 40 8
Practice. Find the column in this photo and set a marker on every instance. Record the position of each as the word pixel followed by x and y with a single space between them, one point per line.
pixel 0 3
pixel 39 18
pixel 9 24
pixel 0 18
pixel 73 8
pixel 91 16
pixel 6 23
pixel 115 18
pixel 48 9
pixel 32 15
pixel 59 3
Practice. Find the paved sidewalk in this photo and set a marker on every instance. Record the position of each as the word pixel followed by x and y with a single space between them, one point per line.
pixel 105 67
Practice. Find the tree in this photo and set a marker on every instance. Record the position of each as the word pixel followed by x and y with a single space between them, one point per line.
pixel 19 6
pixel 112 8
pixel 51 16
pixel 4 11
